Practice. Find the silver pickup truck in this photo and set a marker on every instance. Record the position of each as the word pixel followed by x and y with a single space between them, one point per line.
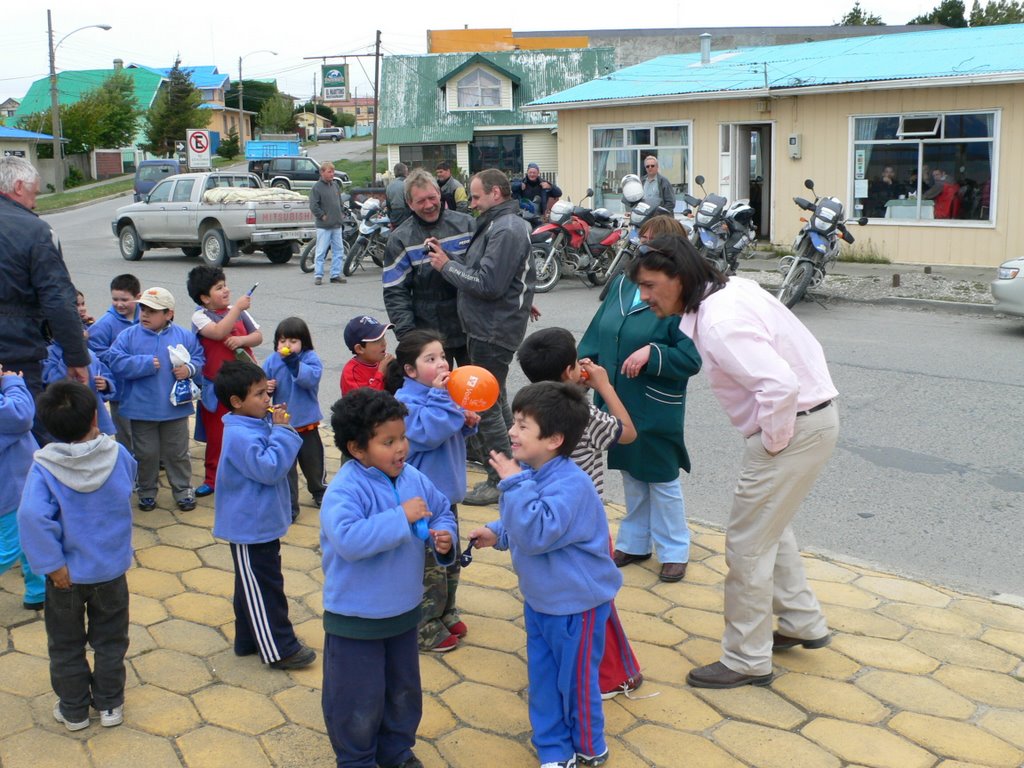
pixel 215 215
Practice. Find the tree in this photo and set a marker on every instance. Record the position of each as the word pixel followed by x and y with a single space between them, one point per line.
pixel 949 13
pixel 858 17
pixel 997 12
pixel 321 109
pixel 276 116
pixel 228 147
pixel 175 110
pixel 257 93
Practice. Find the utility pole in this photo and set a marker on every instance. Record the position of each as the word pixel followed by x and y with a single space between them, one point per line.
pixel 376 108
pixel 58 158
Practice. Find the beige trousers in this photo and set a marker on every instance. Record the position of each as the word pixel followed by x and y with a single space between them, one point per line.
pixel 766 573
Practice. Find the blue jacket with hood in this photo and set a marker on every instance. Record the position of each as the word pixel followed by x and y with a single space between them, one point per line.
pixel 54 369
pixel 298 385
pixel 147 390
pixel 17 410
pixel 104 332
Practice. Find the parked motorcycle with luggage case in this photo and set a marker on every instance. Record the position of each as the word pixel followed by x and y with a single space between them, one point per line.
pixel 816 246
pixel 722 233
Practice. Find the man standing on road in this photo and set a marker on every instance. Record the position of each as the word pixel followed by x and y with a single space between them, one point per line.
pixel 394 195
pixel 415 294
pixel 325 203
pixel 453 194
pixel 495 284
pixel 658 190
pixel 769 374
pixel 37 299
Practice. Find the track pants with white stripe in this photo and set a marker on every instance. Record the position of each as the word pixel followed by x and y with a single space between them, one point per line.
pixel 261 608
pixel 563 654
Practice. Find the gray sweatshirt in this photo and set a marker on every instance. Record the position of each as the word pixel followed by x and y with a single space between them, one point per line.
pixel 325 203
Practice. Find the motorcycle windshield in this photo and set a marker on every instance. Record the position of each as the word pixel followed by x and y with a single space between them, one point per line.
pixel 820 243
pixel 708 240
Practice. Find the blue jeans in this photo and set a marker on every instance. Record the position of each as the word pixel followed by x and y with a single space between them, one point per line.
pixel 655 515
pixel 329 238
pixel 10 553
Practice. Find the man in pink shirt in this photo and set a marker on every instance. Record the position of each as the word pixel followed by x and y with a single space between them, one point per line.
pixel 770 375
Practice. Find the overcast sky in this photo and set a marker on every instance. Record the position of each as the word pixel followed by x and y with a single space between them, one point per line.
pixel 150 33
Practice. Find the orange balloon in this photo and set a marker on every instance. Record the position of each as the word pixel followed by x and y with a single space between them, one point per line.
pixel 473 388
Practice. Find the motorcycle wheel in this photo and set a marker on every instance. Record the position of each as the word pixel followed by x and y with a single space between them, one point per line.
pixel 794 285
pixel 308 257
pixel 547 266
pixel 354 256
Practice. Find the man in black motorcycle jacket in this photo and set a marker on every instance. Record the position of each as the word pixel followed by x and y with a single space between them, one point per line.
pixel 415 294
pixel 453 194
pixel 495 282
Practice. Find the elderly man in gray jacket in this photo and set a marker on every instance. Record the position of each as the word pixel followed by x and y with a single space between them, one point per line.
pixel 325 203
pixel 495 282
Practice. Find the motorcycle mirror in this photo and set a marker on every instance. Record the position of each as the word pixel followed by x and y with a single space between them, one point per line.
pixel 590 192
pixel 862 220
pixel 699 180
pixel 809 183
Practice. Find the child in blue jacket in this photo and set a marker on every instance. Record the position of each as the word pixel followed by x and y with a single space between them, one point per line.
pixel 140 359
pixel 101 381
pixel 293 378
pixel 123 313
pixel 17 410
pixel 437 429
pixel 376 515
pixel 252 511
pixel 554 524
pixel 76 527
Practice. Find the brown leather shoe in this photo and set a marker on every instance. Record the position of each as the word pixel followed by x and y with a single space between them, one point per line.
pixel 718 675
pixel 671 572
pixel 624 558
pixel 781 642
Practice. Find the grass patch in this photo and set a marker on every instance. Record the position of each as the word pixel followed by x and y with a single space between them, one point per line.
pixel 74 197
pixel 359 170
pixel 864 253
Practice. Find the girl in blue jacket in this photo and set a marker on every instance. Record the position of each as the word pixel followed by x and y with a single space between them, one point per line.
pixel 293 378
pixel 437 429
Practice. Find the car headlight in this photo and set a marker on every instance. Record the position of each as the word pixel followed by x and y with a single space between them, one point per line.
pixel 1008 273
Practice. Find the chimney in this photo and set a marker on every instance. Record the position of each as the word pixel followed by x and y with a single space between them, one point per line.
pixel 705 48
pixel 118 65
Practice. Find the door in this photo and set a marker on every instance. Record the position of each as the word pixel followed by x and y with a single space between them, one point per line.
pixel 181 218
pixel 151 219
pixel 746 152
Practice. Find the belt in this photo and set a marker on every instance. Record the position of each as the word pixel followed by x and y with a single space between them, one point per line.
pixel 815 409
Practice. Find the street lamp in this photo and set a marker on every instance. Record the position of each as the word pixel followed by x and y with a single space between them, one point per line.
pixel 58 156
pixel 241 96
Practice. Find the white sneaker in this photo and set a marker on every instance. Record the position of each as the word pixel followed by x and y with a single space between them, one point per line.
pixel 570 763
pixel 111 717
pixel 70 725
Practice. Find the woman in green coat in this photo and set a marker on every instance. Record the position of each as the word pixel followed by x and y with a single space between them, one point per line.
pixel 649 362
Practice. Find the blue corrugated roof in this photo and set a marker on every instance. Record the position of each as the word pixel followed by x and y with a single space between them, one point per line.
pixel 17 133
pixel 946 53
pixel 204 76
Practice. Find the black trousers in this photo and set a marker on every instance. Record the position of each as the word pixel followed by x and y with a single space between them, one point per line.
pixel 311 461
pixel 496 420
pixel 261 608
pixel 93 614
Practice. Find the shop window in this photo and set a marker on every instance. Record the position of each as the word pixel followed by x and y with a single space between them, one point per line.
pixel 619 150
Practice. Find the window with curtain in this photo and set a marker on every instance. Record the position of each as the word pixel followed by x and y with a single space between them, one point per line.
pixel 620 150
pixel 479 89
pixel 932 166
pixel 426 155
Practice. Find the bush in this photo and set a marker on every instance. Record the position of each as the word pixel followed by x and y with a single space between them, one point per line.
pixel 74 179
pixel 228 147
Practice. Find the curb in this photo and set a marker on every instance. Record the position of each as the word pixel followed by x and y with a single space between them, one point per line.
pixel 950 307
pixel 84 203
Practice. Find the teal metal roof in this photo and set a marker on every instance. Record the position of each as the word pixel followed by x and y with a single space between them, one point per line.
pixel 413 108
pixel 976 52
pixel 71 85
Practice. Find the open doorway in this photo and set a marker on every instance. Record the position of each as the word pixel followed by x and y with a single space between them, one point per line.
pixel 746 152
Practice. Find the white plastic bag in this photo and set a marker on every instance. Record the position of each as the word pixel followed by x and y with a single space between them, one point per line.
pixel 184 390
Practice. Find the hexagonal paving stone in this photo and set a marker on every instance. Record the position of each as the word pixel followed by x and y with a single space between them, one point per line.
pixel 31 639
pixel 903 590
pixel 886 654
pixel 305 535
pixel 772 748
pixel 830 697
pixel 754 703
pixel 497 634
pixel 142 538
pixel 24 675
pixel 823 661
pixel 202 609
pixel 188 637
pixel 466 748
pixel 674 707
pixel 667 747
pixel 311 633
pixel 697 596
pixel 237 709
pixel 435 675
pixel 488 575
pixel 302 706
pixel 934 619
pixel 168 559
pixel 217 556
pixel 298 558
pixel 210 581
pixel 17 716
pixel 854 621
pixel 991 614
pixel 824 570
pixel 248 672
pixel 651 628
pixel 708 624
pixel 487 602
pixel 961 741
pixel 490 667
pixel 480 706
pixel 153 709
pixel 139 641
pixel 175 671
pixel 154 520
pixel 294 745
pixel 642 601
pixel 185 536
pixel 146 610
pixel 961 650
pixel 1007 725
pixel 915 693
pixel 127 748
pixel 41 749
pixel 213 747
pixel 866 745
pixel 985 687
pixel 698 651
pixel 297 583
pixel 154 584
pixel 437 719
pixel 831 593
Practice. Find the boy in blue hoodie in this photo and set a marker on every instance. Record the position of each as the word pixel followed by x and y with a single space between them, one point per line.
pixel 16 448
pixel 76 527
pixel 376 515
pixel 252 511
pixel 554 524
pixel 123 313
pixel 141 360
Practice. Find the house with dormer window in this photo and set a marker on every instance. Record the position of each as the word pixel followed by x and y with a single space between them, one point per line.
pixel 466 108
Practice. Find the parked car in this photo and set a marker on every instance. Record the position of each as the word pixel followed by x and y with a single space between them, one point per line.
pixel 215 215
pixel 296 172
pixel 150 173
pixel 1008 287
pixel 331 134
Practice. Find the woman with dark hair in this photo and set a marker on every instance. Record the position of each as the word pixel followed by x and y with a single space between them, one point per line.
pixel 769 374
pixel 649 362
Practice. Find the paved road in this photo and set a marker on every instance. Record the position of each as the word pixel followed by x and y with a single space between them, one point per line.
pixel 927 478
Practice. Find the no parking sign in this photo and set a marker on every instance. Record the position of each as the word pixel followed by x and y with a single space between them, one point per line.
pixel 198 148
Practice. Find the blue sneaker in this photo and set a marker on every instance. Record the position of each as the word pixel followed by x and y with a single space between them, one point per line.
pixel 147 504
pixel 204 490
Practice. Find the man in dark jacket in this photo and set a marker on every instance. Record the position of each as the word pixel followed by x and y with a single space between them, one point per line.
pixel 453 194
pixel 658 192
pixel 495 283
pixel 37 299
pixel 394 195
pixel 415 294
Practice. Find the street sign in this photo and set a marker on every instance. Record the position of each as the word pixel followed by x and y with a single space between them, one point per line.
pixel 14 153
pixel 198 148
pixel 179 146
pixel 335 81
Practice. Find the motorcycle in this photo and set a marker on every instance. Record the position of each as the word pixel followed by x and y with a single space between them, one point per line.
pixel 722 233
pixel 816 246
pixel 349 232
pixel 577 239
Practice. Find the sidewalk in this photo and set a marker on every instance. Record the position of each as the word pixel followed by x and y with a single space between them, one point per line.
pixel 917 675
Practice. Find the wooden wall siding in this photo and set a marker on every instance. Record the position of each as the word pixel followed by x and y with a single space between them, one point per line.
pixel 824 124
pixel 541 147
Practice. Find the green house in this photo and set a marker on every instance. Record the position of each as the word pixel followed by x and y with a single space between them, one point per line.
pixel 466 108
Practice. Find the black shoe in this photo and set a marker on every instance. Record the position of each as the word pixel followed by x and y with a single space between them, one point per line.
pixel 781 642
pixel 625 558
pixel 301 658
pixel 33 606
pixel 147 504
pixel 718 675
pixel 483 494
pixel 412 762
pixel 187 504
pixel 338 280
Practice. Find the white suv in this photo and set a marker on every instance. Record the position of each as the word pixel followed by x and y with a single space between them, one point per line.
pixel 334 134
